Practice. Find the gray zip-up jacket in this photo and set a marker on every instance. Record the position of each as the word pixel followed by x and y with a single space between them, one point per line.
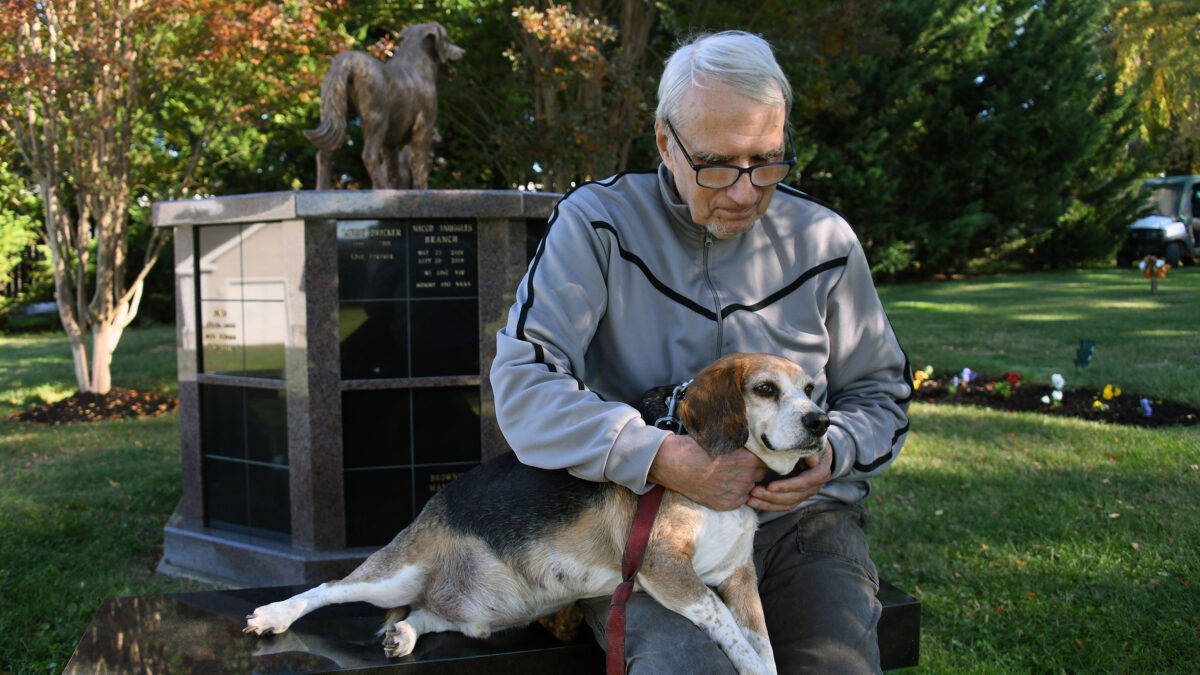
pixel 626 293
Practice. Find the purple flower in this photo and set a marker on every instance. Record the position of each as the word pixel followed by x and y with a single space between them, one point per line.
pixel 1146 407
pixel 968 375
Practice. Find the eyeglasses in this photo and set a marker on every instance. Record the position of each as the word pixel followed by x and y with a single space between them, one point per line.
pixel 717 176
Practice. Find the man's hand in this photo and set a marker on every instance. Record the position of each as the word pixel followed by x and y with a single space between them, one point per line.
pixel 720 483
pixel 785 495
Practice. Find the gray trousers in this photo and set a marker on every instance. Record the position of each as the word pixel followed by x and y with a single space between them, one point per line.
pixel 818 586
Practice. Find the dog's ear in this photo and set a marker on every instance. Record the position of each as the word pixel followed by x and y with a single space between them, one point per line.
pixel 714 411
pixel 436 38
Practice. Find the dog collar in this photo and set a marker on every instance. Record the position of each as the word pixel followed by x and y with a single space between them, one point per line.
pixel 671 420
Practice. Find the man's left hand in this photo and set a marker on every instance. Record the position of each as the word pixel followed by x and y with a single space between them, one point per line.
pixel 786 494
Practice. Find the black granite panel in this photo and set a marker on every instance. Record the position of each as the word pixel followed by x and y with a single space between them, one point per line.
pixel 225 493
pixel 899 627
pixel 446 425
pixel 268 502
pixel 379 503
pixel 374 338
pixel 221 343
pixel 535 229
pixel 193 633
pixel 245 457
pixel 266 426
pixel 376 428
pixel 445 337
pixel 409 298
pixel 443 260
pixel 220 270
pixel 247 498
pixel 220 261
pixel 222 421
pixel 430 479
pixel 265 326
pixel 372 260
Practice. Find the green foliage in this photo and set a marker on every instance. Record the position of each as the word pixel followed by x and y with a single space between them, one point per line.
pixel 18 225
pixel 979 126
pixel 956 136
pixel 1156 48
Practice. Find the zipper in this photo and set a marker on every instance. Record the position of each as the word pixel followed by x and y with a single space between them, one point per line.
pixel 712 288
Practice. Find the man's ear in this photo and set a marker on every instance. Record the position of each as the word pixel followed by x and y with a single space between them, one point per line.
pixel 662 140
pixel 714 412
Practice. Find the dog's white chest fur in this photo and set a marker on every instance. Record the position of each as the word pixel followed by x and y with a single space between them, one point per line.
pixel 723 540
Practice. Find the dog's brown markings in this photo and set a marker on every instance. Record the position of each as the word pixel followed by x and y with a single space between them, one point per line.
pixel 454 570
pixel 740 592
pixel 713 412
pixel 672 547
pixel 594 542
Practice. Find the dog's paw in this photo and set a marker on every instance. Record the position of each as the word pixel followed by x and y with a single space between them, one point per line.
pixel 399 639
pixel 273 618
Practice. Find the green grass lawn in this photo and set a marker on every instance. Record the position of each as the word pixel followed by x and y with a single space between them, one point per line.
pixel 82 506
pixel 1032 324
pixel 1035 544
pixel 1044 544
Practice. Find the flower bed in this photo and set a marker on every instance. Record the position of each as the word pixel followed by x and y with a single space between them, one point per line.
pixel 1123 408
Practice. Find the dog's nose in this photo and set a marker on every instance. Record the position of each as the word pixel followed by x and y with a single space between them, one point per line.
pixel 816 423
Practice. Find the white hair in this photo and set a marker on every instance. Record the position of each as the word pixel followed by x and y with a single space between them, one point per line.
pixel 740 60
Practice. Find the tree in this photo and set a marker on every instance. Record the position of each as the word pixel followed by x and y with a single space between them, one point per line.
pixel 17 228
pixel 980 133
pixel 112 101
pixel 586 71
pixel 1156 48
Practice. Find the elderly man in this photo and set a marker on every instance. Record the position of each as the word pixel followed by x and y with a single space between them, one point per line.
pixel 642 280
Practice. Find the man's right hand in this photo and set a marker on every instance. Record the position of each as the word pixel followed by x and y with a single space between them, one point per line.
pixel 722 483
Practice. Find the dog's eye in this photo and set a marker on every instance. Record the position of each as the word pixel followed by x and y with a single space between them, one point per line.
pixel 766 390
pixel 808 389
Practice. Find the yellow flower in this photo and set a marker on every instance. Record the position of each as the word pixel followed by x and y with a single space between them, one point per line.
pixel 1111 392
pixel 919 377
pixel 1097 404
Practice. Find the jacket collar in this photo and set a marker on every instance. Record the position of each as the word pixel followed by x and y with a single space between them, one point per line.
pixel 677 210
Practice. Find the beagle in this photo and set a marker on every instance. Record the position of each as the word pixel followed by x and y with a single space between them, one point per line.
pixel 507 543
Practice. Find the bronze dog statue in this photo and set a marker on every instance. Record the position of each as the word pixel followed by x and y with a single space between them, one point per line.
pixel 396 101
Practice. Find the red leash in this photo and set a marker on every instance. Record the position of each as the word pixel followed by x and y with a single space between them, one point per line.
pixel 631 562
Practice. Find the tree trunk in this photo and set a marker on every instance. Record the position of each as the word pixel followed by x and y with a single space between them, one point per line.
pixel 104 341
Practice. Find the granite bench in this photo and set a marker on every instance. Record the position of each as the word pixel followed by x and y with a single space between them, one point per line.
pixel 202 632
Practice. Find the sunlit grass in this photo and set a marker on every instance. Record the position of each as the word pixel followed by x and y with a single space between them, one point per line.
pixel 1033 324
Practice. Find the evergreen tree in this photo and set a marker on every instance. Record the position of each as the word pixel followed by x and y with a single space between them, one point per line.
pixel 992 132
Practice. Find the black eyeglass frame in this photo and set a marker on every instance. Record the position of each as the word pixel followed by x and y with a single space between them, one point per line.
pixel 741 170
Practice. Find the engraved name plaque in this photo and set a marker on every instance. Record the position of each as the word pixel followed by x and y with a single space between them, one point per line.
pixel 409 299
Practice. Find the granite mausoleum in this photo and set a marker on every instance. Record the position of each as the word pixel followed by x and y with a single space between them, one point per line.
pixel 333 357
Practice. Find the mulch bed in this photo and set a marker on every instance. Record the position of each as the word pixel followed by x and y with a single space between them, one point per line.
pixel 86 407
pixel 1125 409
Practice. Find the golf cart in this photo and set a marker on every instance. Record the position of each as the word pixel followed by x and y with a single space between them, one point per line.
pixel 1172 232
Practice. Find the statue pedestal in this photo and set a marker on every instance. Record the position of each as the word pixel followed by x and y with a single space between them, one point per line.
pixel 333 356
